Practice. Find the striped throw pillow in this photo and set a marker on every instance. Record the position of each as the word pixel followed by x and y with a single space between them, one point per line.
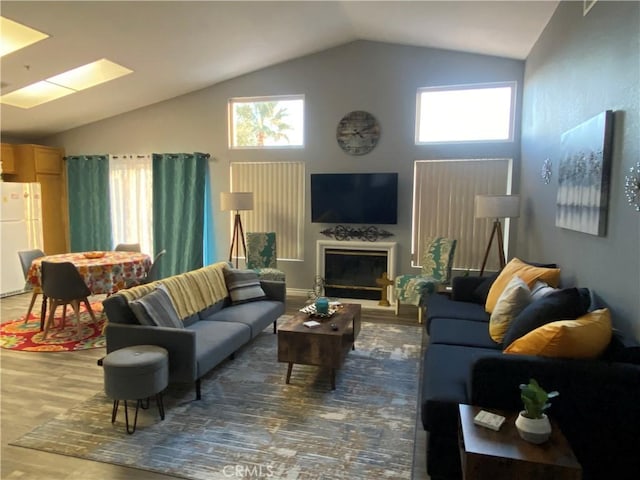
pixel 156 309
pixel 243 285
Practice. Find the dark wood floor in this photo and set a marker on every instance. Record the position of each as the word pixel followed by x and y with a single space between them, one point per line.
pixel 37 386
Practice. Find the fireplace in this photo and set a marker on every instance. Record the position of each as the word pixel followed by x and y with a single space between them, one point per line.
pixel 350 269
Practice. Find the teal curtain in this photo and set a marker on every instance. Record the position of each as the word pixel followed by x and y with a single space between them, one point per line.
pixel 209 250
pixel 178 210
pixel 89 206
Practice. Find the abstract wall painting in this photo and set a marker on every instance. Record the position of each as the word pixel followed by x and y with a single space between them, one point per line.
pixel 583 178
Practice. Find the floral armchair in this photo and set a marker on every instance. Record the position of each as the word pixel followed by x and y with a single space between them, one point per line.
pixel 261 255
pixel 437 262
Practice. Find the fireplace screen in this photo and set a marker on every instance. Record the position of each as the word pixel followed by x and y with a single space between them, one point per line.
pixel 353 273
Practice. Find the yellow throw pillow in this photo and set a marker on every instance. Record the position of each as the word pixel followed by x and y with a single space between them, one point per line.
pixel 512 301
pixel 586 337
pixel 526 272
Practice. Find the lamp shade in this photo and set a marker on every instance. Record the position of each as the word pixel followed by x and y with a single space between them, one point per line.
pixel 236 201
pixel 497 206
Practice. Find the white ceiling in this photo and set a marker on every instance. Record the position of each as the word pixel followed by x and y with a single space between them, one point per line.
pixel 179 47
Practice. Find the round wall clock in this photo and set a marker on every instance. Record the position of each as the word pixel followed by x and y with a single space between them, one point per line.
pixel 358 132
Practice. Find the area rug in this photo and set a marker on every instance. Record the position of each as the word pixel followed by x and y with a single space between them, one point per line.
pixel 27 337
pixel 250 424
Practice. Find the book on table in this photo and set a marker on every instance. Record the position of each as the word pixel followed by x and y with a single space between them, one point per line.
pixel 311 324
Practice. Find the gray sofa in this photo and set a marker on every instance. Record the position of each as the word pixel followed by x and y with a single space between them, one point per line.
pixel 214 327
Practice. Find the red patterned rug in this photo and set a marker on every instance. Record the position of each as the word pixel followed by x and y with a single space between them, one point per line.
pixel 17 335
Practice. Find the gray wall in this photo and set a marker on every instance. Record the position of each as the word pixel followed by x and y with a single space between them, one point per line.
pixel 581 66
pixel 377 77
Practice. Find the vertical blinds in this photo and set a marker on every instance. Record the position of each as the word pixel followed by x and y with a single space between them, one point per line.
pixel 278 202
pixel 444 195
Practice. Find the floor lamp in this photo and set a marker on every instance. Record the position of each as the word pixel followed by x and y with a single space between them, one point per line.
pixel 236 201
pixel 496 207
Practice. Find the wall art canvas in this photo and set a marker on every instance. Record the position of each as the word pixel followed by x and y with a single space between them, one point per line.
pixel 583 176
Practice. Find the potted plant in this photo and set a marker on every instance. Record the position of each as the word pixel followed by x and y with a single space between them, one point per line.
pixel 532 423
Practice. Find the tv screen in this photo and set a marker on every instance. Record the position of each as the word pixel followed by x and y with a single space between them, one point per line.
pixel 354 198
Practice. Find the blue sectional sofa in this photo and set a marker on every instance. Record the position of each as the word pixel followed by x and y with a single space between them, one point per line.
pixel 211 326
pixel 598 408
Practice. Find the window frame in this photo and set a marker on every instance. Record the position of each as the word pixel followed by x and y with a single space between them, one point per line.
pixel 266 98
pixel 472 86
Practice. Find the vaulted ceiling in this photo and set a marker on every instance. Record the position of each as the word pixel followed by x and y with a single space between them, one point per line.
pixel 179 47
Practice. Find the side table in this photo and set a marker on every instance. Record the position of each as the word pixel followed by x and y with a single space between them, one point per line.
pixel 503 455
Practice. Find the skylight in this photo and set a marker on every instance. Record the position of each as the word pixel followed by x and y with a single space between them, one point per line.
pixel 14 36
pixel 90 75
pixel 80 78
pixel 35 94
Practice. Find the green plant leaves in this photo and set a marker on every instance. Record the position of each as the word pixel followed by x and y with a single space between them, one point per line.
pixel 535 398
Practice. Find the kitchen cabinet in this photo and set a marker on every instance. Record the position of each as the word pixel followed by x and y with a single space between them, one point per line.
pixel 45 165
pixel 7 156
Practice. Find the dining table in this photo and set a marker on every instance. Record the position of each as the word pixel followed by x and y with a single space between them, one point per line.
pixel 104 272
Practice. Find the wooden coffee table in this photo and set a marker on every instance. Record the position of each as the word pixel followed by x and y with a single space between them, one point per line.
pixel 321 346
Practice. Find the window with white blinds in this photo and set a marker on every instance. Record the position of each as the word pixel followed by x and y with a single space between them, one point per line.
pixel 443 205
pixel 278 202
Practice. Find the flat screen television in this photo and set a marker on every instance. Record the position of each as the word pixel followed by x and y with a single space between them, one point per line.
pixel 354 198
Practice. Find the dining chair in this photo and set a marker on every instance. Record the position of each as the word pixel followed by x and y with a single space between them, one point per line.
pixel 62 284
pixel 128 247
pixel 154 272
pixel 26 259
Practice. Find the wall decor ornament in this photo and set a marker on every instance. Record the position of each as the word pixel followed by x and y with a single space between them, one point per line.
pixel 342 232
pixel 583 176
pixel 545 172
pixel 632 186
pixel 317 290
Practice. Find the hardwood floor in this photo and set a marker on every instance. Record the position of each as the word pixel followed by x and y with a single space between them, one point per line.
pixel 37 386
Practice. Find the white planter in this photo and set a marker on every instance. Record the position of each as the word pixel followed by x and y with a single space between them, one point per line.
pixel 534 430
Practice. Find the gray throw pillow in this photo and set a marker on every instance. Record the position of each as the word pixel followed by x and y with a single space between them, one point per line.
pixel 243 285
pixel 156 309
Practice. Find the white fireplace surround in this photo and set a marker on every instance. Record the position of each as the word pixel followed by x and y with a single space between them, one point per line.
pixel 389 247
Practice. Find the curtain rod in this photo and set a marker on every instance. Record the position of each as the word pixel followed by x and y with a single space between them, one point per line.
pixel 171 155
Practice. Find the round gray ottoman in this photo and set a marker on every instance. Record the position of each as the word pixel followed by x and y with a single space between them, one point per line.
pixel 136 373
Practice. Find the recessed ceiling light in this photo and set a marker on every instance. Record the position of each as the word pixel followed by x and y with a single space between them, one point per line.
pixel 14 36
pixel 72 81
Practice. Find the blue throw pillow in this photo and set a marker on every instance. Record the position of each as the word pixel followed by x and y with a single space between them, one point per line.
pixel 156 309
pixel 622 349
pixel 482 290
pixel 566 304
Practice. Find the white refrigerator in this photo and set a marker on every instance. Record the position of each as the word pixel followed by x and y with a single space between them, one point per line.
pixel 20 229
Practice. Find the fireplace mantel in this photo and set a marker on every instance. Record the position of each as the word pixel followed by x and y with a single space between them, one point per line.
pixel 389 247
